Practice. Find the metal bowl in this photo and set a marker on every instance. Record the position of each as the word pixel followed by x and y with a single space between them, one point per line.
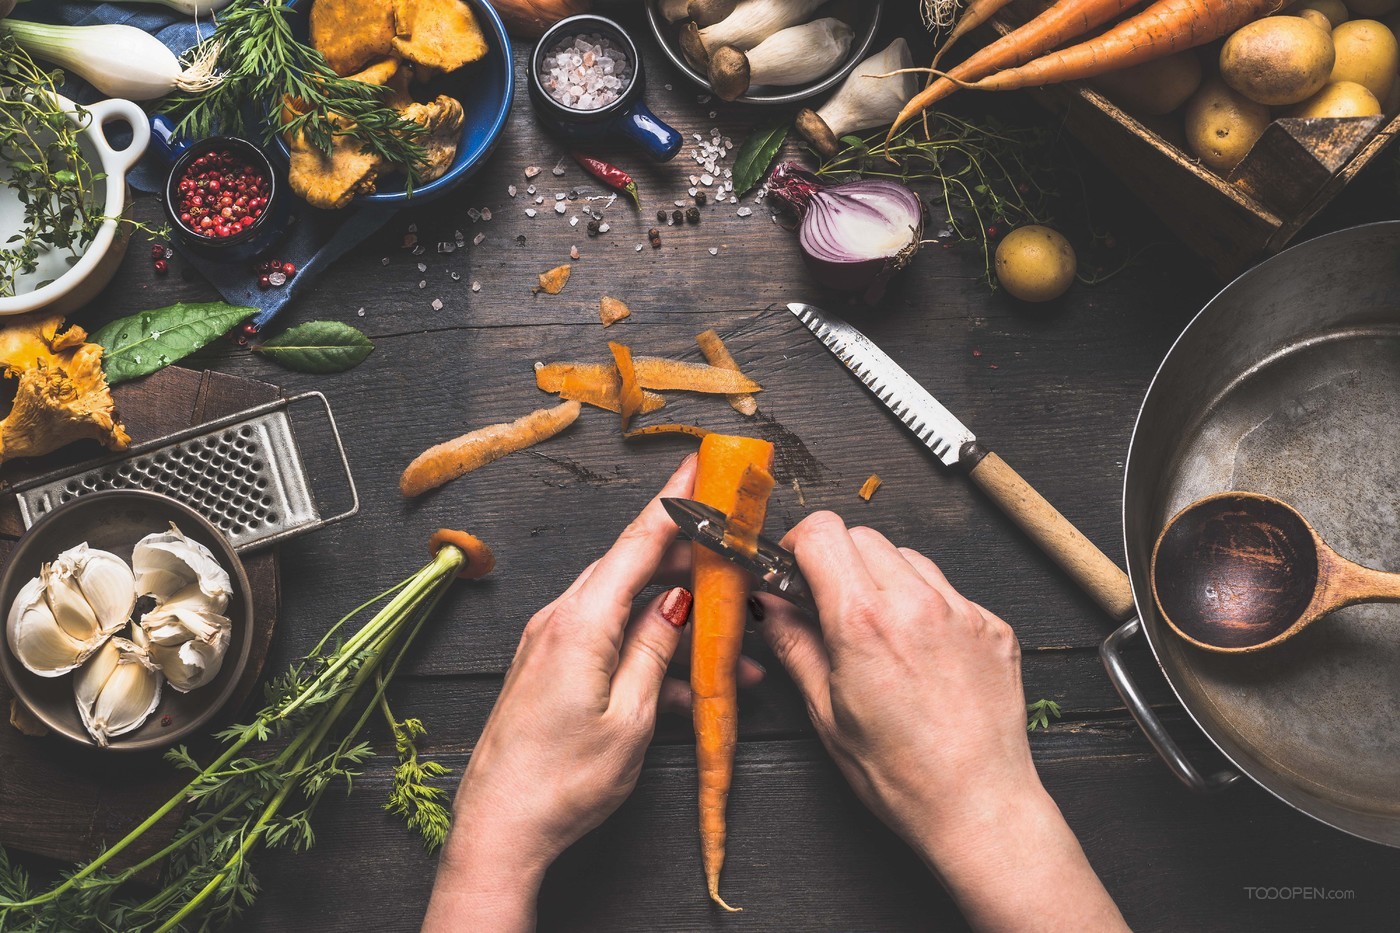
pixel 114 521
pixel 864 18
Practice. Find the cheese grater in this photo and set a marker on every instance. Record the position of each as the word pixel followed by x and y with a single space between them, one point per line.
pixel 243 472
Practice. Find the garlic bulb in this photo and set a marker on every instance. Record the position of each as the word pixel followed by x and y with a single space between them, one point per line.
pixel 168 562
pixel 60 617
pixel 186 633
pixel 116 690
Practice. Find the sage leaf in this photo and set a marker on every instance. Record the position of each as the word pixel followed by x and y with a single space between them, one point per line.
pixel 144 342
pixel 318 347
pixel 751 164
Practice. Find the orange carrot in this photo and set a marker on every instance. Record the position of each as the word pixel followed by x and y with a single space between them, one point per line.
pixel 480 561
pixel 451 459
pixel 975 14
pixel 629 394
pixel 733 477
pixel 1058 24
pixel 867 488
pixel 718 355
pixel 1165 27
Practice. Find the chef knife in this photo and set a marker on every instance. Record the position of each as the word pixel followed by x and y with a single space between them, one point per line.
pixel 773 566
pixel 954 444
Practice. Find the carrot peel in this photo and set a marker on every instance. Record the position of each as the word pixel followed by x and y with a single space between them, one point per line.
pixel 732 476
pixel 451 459
pixel 867 488
pixel 652 430
pixel 629 394
pixel 718 355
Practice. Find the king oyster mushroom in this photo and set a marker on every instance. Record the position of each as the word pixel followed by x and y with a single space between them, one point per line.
pixel 117 690
pixel 791 56
pixel 741 25
pixel 186 633
pixel 864 101
pixel 62 616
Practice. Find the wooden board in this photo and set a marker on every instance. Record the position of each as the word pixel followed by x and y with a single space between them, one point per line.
pixel 61 800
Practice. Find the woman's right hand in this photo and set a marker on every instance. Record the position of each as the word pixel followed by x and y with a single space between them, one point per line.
pixel 916 693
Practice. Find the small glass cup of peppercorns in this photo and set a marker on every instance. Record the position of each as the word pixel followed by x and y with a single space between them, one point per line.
pixel 224 200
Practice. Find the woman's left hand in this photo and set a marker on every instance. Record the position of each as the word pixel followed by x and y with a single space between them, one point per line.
pixel 564 745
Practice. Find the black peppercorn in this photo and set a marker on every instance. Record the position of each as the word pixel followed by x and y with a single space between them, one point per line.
pixel 692 215
pixel 701 198
pixel 677 216
pixel 593 228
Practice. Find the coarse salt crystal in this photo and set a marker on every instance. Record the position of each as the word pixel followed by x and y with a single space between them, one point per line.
pixel 423 283
pixel 558 195
pixel 573 221
pixel 418 250
pixel 478 239
pixel 639 247
pixel 744 211
pixel 437 304
pixel 510 190
pixel 539 199
pixel 531 190
pixel 714 250
pixel 531 171
pixel 384 261
pixel 474 214
pixel 422 267
pixel 476 286
pixel 707 179
pixel 530 212
pixel 277 278
pixel 604 228
pixel 693 190
pixel 573 252
pixel 360 313
pixel 486 213
pixel 560 207
pixel 456 276
pixel 447 246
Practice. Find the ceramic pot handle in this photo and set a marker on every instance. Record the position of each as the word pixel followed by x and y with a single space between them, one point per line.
pixel 118 162
pixel 1152 727
pixel 646 130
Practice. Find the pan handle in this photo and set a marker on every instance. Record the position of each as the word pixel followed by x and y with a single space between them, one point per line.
pixel 1152 726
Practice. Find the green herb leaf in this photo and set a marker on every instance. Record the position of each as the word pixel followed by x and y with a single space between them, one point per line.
pixel 318 347
pixel 751 164
pixel 1038 714
pixel 144 342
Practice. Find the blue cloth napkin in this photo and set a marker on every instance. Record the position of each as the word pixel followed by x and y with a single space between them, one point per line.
pixel 314 240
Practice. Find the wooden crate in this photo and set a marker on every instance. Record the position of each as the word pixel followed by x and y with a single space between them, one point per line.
pixel 1292 172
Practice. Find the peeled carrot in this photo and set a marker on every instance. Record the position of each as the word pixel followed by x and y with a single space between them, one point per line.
pixel 732 476
pixel 1165 27
pixel 450 459
pixel 1058 24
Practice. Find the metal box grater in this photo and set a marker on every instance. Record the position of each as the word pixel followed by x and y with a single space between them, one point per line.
pixel 244 473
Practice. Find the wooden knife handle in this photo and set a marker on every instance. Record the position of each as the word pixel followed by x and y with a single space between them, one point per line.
pixel 1091 568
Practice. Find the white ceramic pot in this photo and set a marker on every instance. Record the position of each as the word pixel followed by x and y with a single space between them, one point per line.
pixel 73 286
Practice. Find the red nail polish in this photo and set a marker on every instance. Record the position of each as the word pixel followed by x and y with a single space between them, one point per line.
pixel 675 608
pixel 756 609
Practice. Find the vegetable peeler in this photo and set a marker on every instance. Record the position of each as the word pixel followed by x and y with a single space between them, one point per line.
pixel 773 566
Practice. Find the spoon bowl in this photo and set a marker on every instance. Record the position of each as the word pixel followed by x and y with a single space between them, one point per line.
pixel 1238 572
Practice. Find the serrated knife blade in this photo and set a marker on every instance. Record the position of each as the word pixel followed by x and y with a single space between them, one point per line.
pixel 937 427
pixel 954 444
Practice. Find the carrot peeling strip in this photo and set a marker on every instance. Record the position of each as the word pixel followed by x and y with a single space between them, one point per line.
pixel 480 561
pixel 451 459
pixel 729 477
pixel 553 281
pixel 629 394
pixel 746 521
pixel 610 311
pixel 652 373
pixel 669 428
pixel 867 488
pixel 600 388
pixel 718 354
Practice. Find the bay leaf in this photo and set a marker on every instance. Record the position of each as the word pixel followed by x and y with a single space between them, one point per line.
pixel 141 343
pixel 318 347
pixel 751 162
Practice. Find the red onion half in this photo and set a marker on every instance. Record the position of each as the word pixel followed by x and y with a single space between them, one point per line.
pixel 854 236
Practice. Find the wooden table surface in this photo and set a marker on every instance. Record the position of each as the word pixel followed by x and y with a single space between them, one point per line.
pixel 1054 389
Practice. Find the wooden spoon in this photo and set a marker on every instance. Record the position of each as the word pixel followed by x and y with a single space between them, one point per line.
pixel 1238 571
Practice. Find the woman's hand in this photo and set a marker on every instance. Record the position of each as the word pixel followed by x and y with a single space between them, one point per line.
pixel 564 745
pixel 916 693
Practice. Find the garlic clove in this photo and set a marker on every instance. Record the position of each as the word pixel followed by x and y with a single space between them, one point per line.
pixel 37 640
pixel 192 664
pixel 167 562
pixel 105 582
pixel 170 626
pixel 65 598
pixel 117 690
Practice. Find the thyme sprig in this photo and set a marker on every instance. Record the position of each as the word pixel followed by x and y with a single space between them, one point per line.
pixel 272 83
pixel 263 789
pixel 47 169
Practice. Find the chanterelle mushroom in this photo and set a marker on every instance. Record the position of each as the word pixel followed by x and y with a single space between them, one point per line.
pixel 62 394
pixel 443 118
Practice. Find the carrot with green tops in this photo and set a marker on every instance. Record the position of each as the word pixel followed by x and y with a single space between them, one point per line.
pixel 1058 24
pixel 1165 27
pixel 732 476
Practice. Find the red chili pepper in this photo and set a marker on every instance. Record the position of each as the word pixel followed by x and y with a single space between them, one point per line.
pixel 609 175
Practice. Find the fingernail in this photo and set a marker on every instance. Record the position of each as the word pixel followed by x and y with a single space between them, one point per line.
pixel 688 458
pixel 675 608
pixel 761 668
pixel 756 609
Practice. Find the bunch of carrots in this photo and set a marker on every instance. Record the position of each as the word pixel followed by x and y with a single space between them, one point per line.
pixel 1031 55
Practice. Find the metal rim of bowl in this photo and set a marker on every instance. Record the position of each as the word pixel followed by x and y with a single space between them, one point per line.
pixel 203 147
pixel 575 26
pixel 860 49
pixel 460 171
pixel 15 673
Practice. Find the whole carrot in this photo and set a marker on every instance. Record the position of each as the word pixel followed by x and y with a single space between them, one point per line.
pixel 975 14
pixel 1058 24
pixel 1165 27
pixel 732 476
pixel 610 175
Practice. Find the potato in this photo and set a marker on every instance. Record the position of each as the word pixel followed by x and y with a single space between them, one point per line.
pixel 1277 60
pixel 1367 53
pixel 1334 10
pixel 1338 99
pixel 1318 19
pixel 1156 87
pixel 1221 125
pixel 1035 263
pixel 1371 9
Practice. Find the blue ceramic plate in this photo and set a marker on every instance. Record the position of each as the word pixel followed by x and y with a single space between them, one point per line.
pixel 485 89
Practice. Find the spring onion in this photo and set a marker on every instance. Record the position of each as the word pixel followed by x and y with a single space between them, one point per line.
pixel 118 60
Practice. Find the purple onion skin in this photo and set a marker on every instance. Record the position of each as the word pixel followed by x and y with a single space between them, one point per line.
pixel 867 278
